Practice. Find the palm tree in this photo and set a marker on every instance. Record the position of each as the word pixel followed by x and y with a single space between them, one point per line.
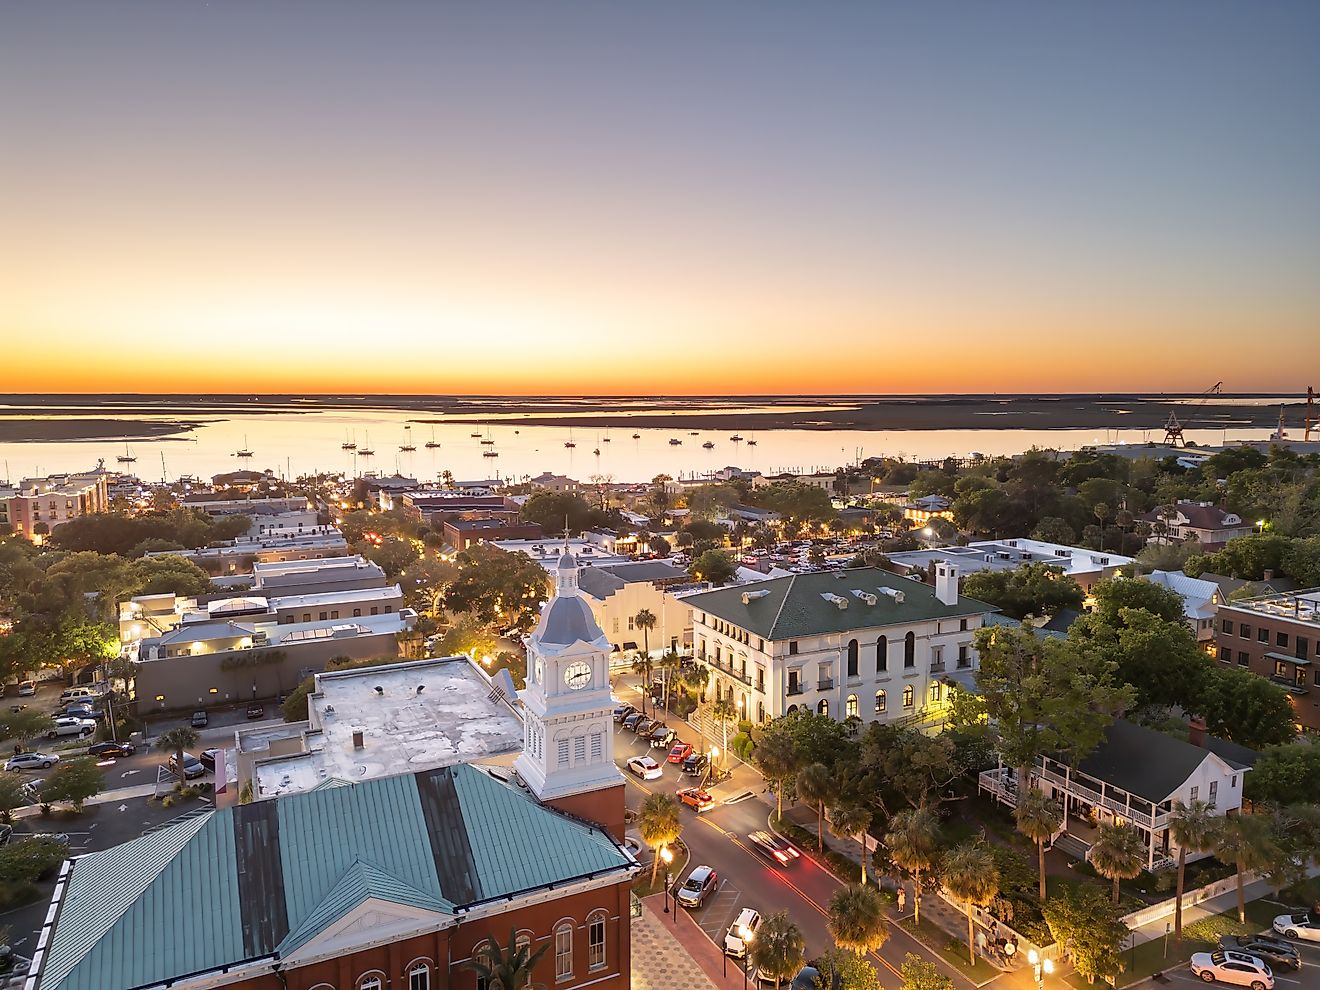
pixel 1038 818
pixel 1191 826
pixel 1119 853
pixel 658 824
pixel 1245 841
pixel 695 680
pixel 669 664
pixel 779 949
pixel 1102 512
pixel 777 759
pixel 815 786
pixel 645 621
pixel 857 919
pixel 847 820
pixel 724 712
pixel 508 967
pixel 912 839
pixel 178 739
pixel 971 876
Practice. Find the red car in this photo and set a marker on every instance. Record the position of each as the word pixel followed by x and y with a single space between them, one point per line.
pixel 696 798
pixel 680 752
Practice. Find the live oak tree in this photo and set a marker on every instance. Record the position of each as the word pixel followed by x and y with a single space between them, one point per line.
pixel 1031 589
pixel 501 589
pixel 921 974
pixel 1285 774
pixel 1088 927
pixel 73 781
pixel 1246 708
pixel 840 969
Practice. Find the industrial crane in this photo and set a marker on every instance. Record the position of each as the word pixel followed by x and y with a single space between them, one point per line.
pixel 1173 429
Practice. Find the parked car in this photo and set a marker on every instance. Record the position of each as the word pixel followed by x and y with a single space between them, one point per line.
pixel 741 931
pixel 623 711
pixel 699 885
pixel 208 759
pixel 110 749
pixel 646 768
pixel 644 727
pixel 680 752
pixel 77 710
pixel 1275 951
pixel 27 689
pixel 32 790
pixel 695 798
pixel 1298 925
pixel 1237 968
pixel 774 848
pixel 695 763
pixel 200 720
pixel 78 693
pixel 32 761
pixel 192 767
pixel 662 736
pixel 630 721
pixel 256 711
pixel 67 726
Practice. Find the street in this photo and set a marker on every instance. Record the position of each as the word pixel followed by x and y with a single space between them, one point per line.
pixel 716 838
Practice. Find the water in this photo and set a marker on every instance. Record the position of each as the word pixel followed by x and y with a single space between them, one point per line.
pixel 291 444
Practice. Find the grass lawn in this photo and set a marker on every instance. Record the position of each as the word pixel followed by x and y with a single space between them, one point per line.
pixel 1200 936
pixel 952 950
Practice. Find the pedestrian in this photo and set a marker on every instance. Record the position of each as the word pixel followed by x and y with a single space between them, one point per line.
pixel 902 899
pixel 980 942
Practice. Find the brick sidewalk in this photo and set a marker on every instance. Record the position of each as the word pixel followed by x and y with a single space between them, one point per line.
pixel 671 950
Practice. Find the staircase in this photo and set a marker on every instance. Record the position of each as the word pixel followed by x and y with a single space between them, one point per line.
pixel 1073 846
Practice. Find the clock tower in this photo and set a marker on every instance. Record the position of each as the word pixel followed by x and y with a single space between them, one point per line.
pixel 568 728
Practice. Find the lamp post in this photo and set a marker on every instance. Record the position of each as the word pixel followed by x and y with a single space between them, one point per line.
pixel 747 935
pixel 1260 526
pixel 1039 967
pixel 710 765
pixel 667 857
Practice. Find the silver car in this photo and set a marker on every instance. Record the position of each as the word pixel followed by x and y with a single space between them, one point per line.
pixel 32 761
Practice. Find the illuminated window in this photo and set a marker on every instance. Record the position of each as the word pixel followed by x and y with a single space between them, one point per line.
pixel 850 710
pixel 881 702
pixel 907 696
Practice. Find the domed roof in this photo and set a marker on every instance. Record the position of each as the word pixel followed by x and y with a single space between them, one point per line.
pixel 567 560
pixel 566 620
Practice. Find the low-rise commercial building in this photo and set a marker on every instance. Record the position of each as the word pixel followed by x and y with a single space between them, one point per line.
pixel 316 576
pixel 238 556
pixel 1278 637
pixel 920 511
pixel 1086 567
pixel 462 533
pixel 618 593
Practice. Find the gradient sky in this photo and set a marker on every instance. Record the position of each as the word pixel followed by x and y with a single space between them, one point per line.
pixel 659 198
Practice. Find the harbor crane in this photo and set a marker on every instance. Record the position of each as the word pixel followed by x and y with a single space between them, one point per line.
pixel 1173 429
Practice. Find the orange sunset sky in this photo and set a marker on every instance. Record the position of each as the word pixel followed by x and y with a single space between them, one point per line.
pixel 687 199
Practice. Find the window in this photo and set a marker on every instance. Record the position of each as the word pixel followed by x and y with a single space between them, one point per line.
pixel 823 707
pixel 597 747
pixel 850 709
pixel 907 696
pixel 909 651
pixel 1243 659
pixel 881 702
pixel 334 614
pixel 1233 783
pixel 1281 639
pixel 563 951
pixel 1228 626
pixel 1214 792
pixel 937 657
pixel 596 942
pixel 792 647
pixel 615 629
pixel 760 678
pixel 1244 631
pixel 793 685
pixel 357 613
pixel 482 954
pixel 882 654
pixel 562 752
pixel 1262 635
pixel 375 610
pixel 852 658
pixel 760 711
pixel 579 749
pixel 1195 792
pixel 419 977
pixel 964 656
pixel 934 692
pixel 962 625
pixel 371 983
pixel 322 616
pixel 1225 654
pixel 631 622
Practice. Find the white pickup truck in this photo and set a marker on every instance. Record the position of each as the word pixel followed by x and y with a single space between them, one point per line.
pixel 67 725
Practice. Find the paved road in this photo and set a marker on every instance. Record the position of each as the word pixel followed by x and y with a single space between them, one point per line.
pixel 717 839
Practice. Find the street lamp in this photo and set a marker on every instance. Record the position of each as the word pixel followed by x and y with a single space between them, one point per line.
pixel 1260 526
pixel 746 934
pixel 667 857
pixel 1039 967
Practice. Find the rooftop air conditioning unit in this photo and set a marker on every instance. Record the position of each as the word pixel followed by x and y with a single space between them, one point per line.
pixel 838 601
pixel 750 596
pixel 867 597
pixel 893 593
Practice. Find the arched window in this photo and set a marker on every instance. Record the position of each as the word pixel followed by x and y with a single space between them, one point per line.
pixel 909 651
pixel 791 709
pixel 823 708
pixel 881 702
pixel 563 950
pixel 372 981
pixel 760 711
pixel 850 710
pixel 852 658
pixel 907 696
pixel 882 654
pixel 596 940
pixel 934 692
pixel 483 954
pixel 419 976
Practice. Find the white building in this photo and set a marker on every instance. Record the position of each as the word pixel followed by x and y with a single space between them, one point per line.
pixel 861 642
pixel 547 552
pixel 1086 567
pixel 1201 600
pixel 618 592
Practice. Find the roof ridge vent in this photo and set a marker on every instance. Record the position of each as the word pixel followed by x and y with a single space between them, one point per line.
pixel 893 593
pixel 865 596
pixel 838 601
pixel 750 596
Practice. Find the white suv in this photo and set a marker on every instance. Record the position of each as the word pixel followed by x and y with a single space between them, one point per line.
pixel 741 932
pixel 68 725
pixel 1237 968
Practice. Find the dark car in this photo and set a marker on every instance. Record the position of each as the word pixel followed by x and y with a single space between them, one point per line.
pixel 192 767
pixel 200 720
pixel 644 727
pixel 696 763
pixel 104 749
pixel 208 759
pixel 630 721
pixel 256 711
pixel 622 712
pixel 80 711
pixel 773 848
pixel 1274 951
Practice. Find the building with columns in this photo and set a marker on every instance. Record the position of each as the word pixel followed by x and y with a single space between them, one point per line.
pixel 388 882
pixel 860 642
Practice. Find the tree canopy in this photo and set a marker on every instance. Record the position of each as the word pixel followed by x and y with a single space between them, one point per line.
pixel 504 590
pixel 1033 589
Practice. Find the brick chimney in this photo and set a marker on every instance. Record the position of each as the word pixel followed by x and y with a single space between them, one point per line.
pixel 1196 731
pixel 1267 574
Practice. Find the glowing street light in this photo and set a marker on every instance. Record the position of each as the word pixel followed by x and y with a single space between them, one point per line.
pixel 1039 967
pixel 668 857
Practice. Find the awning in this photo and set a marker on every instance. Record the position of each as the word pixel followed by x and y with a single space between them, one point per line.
pixel 1288 658
pixel 630 646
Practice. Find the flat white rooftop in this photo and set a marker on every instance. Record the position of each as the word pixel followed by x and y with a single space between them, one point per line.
pixel 337 597
pixel 548 551
pixel 453 719
pixel 276 567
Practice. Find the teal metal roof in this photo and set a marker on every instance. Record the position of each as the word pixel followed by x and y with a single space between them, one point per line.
pixel 794 607
pixel 263 879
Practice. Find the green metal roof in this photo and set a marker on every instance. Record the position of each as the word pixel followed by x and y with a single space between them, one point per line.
pixel 263 879
pixel 794 607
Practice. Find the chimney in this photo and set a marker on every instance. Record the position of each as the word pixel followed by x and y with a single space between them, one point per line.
pixel 946 583
pixel 1267 574
pixel 357 740
pixel 1196 731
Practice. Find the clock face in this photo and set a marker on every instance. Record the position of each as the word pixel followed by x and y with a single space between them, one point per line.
pixel 577 675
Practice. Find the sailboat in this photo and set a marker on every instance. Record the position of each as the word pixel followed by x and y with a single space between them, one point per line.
pixel 675 442
pixel 126 457
pixel 245 452
pixel 709 445
pixel 487 441
pixel 607 436
pixel 736 438
pixel 751 440
pixel 433 442
pixel 476 435
pixel 407 444
pixel 569 442
pixel 348 444
pixel 365 450
pixel 637 436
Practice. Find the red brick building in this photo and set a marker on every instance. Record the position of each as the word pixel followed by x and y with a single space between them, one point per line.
pixel 1278 637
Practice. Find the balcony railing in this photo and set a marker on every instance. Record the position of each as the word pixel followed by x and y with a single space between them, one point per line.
pixel 1076 789
pixel 1290 684
pixel 794 689
pixel 825 684
pixel 937 666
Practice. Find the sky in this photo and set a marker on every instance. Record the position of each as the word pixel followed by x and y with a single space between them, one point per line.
pixel 668 198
